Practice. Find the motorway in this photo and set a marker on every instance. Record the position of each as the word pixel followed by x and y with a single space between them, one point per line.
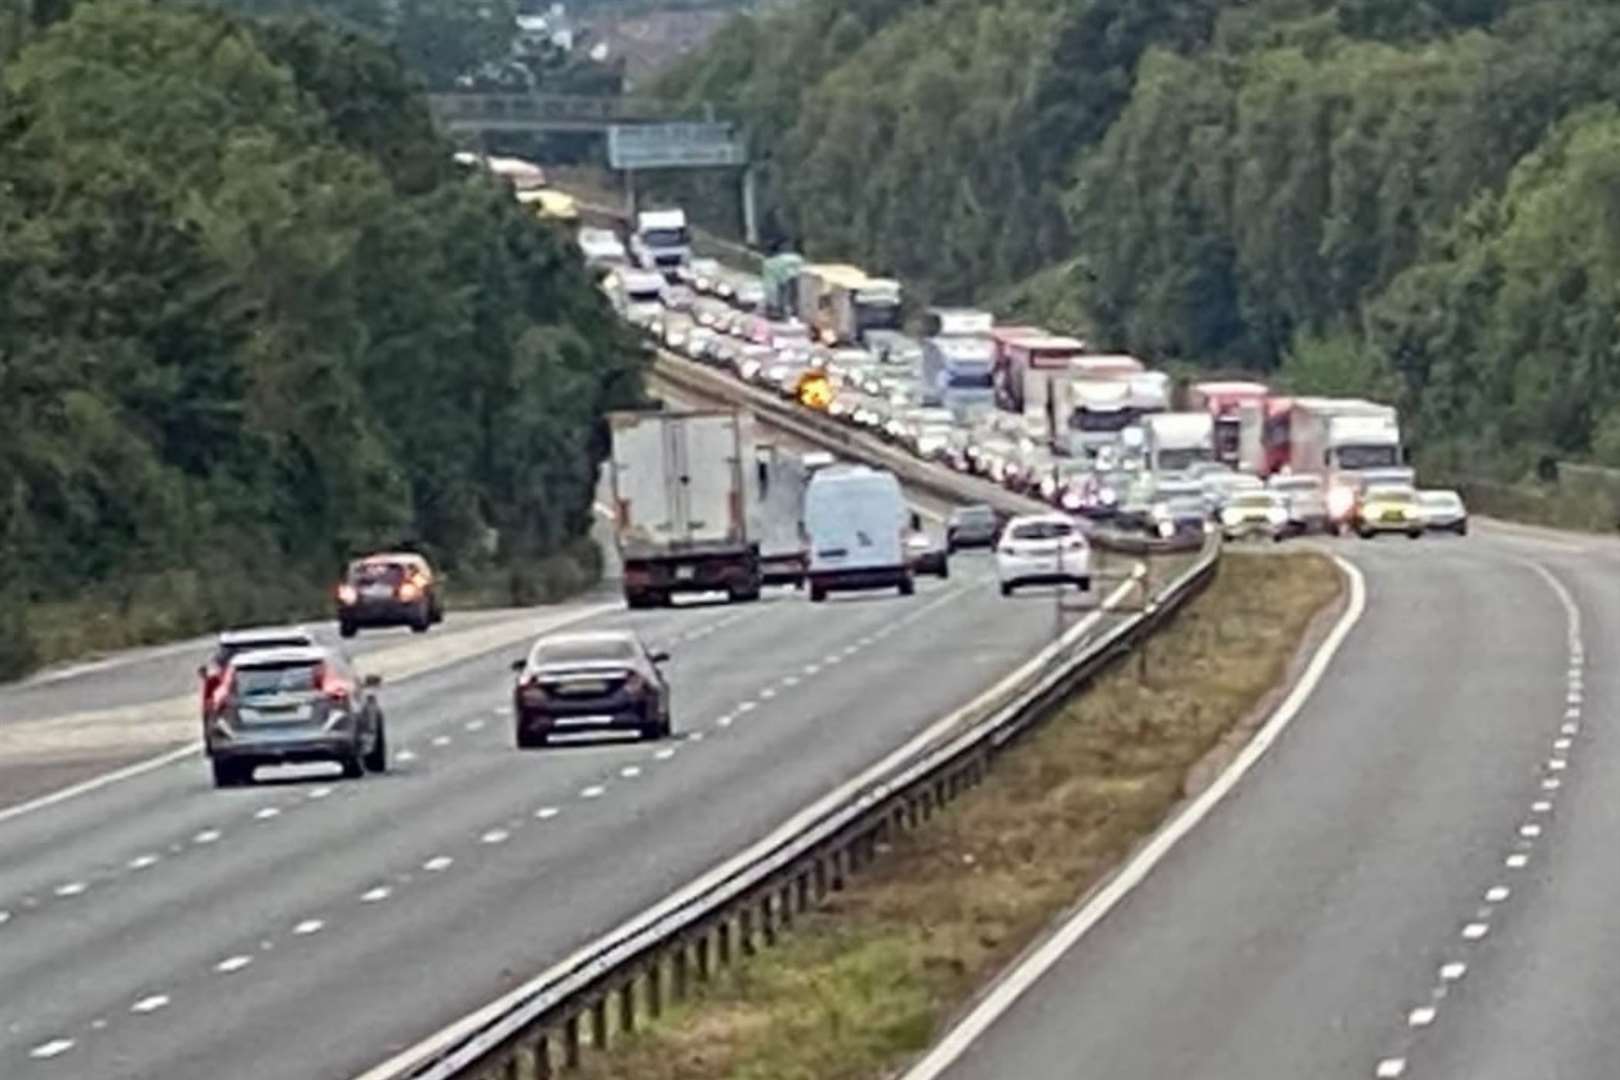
pixel 310 927
pixel 1417 880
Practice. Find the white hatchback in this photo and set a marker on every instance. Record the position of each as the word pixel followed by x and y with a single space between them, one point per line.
pixel 1043 549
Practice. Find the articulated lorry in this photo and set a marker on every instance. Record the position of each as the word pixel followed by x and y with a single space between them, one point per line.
pixel 1342 440
pixel 661 241
pixel 1175 441
pixel 841 304
pixel 776 513
pixel 683 482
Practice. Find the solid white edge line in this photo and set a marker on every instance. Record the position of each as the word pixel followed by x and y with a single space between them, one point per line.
pixel 1013 984
pixel 470 1023
pixel 128 772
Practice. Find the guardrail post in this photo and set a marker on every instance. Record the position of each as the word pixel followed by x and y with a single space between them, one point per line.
pixel 655 987
pixel 723 944
pixel 745 931
pixel 803 885
pixel 542 1058
pixel 681 977
pixel 627 1006
pixel 767 918
pixel 571 1042
pixel 820 877
pixel 599 1023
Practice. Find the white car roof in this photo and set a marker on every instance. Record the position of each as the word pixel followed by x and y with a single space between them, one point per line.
pixel 253 634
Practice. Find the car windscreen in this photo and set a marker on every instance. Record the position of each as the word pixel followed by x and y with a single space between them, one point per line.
pixel 1440 500
pixel 583 652
pixel 299 677
pixel 1042 530
pixel 1252 500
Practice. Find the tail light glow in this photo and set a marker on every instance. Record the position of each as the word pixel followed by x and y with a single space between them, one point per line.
pixel 222 691
pixel 409 590
pixel 330 683
pixel 347 594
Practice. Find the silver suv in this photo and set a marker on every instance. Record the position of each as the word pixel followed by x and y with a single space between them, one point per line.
pixel 296 704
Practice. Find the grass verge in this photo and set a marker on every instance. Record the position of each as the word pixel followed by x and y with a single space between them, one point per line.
pixel 867 980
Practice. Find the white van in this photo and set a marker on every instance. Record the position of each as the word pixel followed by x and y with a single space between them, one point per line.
pixel 858 520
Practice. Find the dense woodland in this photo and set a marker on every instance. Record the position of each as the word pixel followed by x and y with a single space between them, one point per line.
pixel 254 321
pixel 1415 198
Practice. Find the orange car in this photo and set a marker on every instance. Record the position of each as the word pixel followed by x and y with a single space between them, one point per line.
pixel 394 589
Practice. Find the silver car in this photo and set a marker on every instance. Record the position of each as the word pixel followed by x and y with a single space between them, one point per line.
pixel 1443 511
pixel 1305 500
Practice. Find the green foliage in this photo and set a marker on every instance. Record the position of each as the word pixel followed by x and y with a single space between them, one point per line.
pixel 1404 198
pixel 252 324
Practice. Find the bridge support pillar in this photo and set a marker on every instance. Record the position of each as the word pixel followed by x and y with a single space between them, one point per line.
pixel 749 209
pixel 630 196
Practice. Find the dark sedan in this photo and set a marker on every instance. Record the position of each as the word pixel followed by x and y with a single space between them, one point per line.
pixel 972 526
pixel 602 681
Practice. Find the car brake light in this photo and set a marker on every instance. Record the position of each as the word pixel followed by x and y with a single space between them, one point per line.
pixel 409 590
pixel 346 594
pixel 222 691
pixel 328 682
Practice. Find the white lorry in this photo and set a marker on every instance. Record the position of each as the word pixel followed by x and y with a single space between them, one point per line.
pixel 1176 441
pixel 661 241
pixel 1340 440
pixel 682 485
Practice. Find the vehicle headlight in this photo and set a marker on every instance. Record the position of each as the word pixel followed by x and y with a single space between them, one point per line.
pixel 1277 515
pixel 1107 496
pixel 1231 516
pixel 1161 513
pixel 1340 500
pixel 1071 500
pixel 1048 487
pixel 1166 529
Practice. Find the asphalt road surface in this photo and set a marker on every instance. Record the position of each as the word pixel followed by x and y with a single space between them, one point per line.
pixel 309 927
pixel 1418 880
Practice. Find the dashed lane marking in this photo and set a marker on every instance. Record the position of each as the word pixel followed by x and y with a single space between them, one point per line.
pixel 233 964
pixel 372 896
pixel 150 1004
pixel 1453 971
pixel 1390 1068
pixel 546 812
pixel 72 888
pixel 595 791
pixel 1474 931
pixel 438 864
pixel 495 836
pixel 665 754
pixel 1497 893
pixel 207 836
pixel 51 1049
pixel 267 813
pixel 308 927
pixel 1421 1017
pixel 630 772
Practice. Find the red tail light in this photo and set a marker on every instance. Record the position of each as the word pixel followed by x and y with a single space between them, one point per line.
pixel 409 590
pixel 226 682
pixel 330 683
pixel 346 594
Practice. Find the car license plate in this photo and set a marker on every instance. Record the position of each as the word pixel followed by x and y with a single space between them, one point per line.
pixel 685 573
pixel 584 687
pixel 1392 515
pixel 376 592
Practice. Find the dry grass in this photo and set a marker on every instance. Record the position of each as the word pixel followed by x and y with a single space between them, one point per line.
pixel 868 979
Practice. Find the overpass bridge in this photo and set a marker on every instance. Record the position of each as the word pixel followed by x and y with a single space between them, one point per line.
pixel 476 114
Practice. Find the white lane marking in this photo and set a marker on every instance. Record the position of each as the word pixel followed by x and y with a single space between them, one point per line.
pixel 811 669
pixel 495 836
pixel 1530 832
pixel 1421 1017
pixel 593 792
pixel 1552 783
pixel 724 721
pixel 1390 1068
pixel 696 736
pixel 832 658
pixel 1561 744
pixel 1572 714
pixel 141 862
pixel 546 812
pixel 1497 893
pixel 207 836
pixel 1540 806
pixel 320 792
pixel 308 927
pixel 768 693
pixel 1557 764
pixel 790 680
pixel 630 772
pixel 1517 861
pixel 51 1049
pixel 405 755
pixel 1475 930
pixel 233 963
pixel 748 706
pixel 851 650
pixel 475 725
pixel 267 813
pixel 372 896
pixel 438 864
pixel 499 710
pixel 96 783
pixel 1453 971
pixel 5 917
pixel 1571 729
pixel 441 740
pixel 150 1004
pixel 665 754
pixel 1013 985
pixel 1574 697
pixel 72 888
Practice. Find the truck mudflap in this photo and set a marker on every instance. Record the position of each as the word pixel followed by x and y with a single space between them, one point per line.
pixel 650 582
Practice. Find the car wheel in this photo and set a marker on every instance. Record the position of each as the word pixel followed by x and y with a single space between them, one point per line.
pixel 423 620
pixel 944 571
pixel 817 594
pixel 354 766
pixel 229 774
pixel 376 758
pixel 907 586
pixel 1006 588
pixel 530 740
pixel 636 601
pixel 347 629
pixel 1084 583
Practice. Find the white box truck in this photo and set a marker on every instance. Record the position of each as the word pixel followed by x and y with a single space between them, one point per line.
pixel 776 515
pixel 1176 441
pixel 682 485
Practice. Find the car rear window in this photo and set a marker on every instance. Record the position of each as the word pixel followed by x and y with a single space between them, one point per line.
pixel 1042 530
pixel 225 652
pixel 301 676
pixel 378 573
pixel 976 516
pixel 576 652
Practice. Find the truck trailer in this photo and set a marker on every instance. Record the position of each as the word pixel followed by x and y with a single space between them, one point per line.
pixel 683 483
pixel 661 241
pixel 1176 441
pixel 1225 400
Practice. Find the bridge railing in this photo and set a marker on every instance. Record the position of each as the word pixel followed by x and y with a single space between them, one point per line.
pixel 562 108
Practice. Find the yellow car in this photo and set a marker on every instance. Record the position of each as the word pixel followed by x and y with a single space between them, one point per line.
pixel 1389 509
